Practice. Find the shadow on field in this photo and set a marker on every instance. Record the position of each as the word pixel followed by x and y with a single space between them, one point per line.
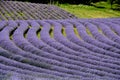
pixel 97 6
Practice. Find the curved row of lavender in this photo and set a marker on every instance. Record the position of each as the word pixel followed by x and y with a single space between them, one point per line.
pixel 14 10
pixel 76 49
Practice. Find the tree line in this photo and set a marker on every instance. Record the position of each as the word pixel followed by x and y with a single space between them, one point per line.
pixel 87 2
pixel 71 1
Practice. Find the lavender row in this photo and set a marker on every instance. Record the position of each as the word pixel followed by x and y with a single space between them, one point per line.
pixel 38 27
pixel 23 26
pixel 64 55
pixel 33 39
pixel 63 41
pixel 14 10
pixel 34 48
pixel 22 53
pixel 85 37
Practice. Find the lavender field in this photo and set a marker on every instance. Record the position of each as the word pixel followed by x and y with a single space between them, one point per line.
pixel 14 10
pixel 63 49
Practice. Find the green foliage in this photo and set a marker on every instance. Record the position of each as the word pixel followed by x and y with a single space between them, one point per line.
pixel 118 1
pixel 111 2
pixel 86 11
pixel 62 1
pixel 88 2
